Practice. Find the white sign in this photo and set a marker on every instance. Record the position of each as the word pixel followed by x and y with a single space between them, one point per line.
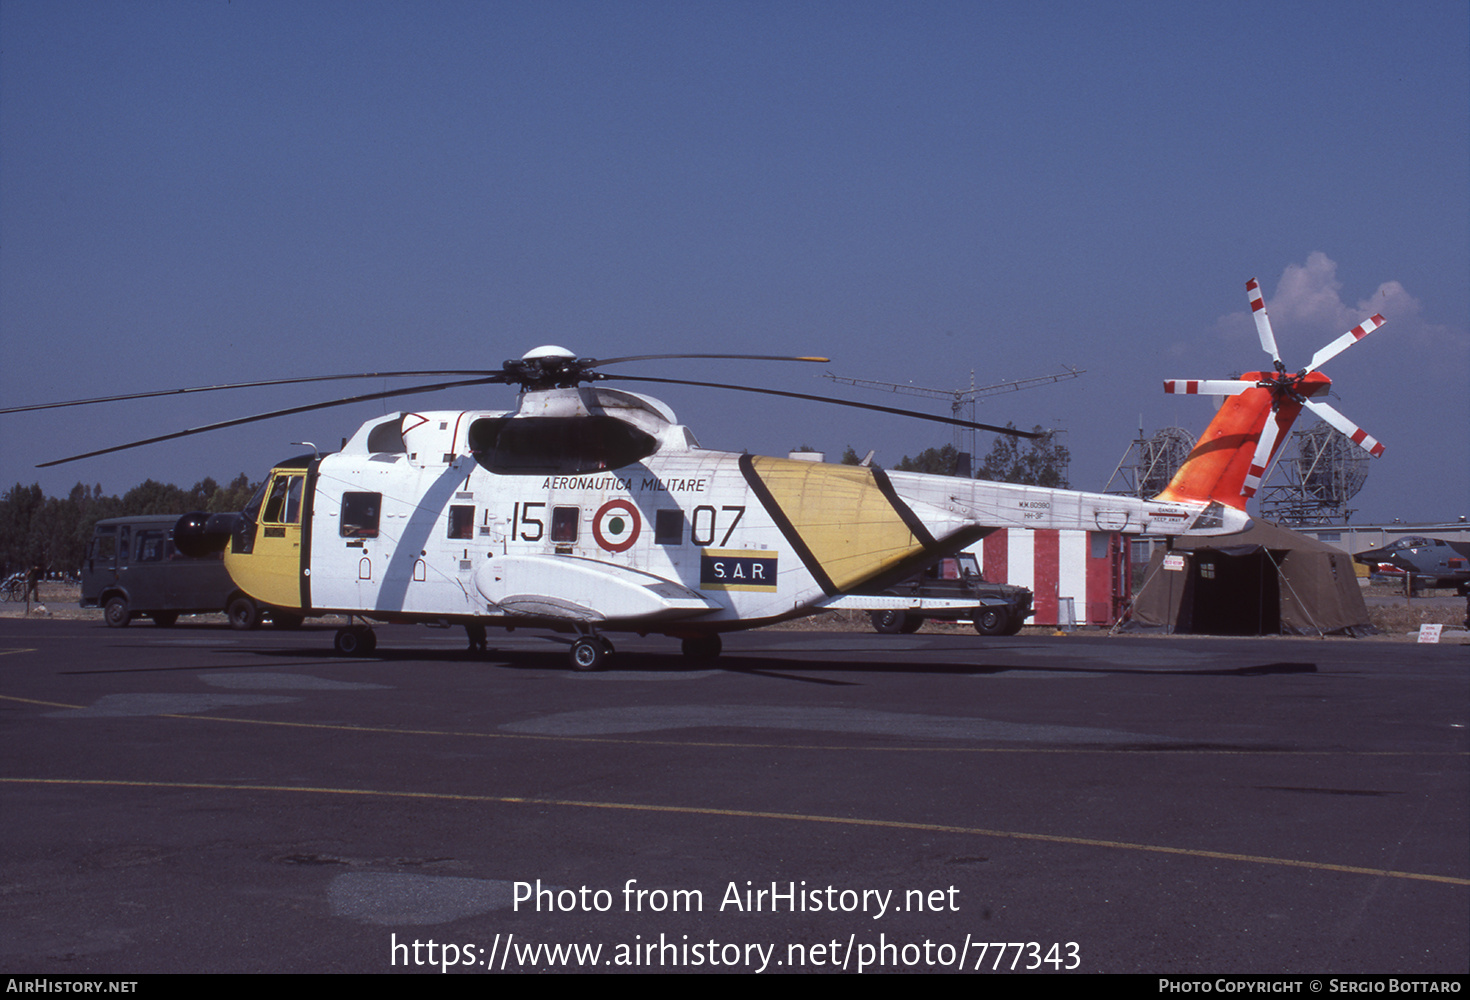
pixel 1429 633
pixel 1175 563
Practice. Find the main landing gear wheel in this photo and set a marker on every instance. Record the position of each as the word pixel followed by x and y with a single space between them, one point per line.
pixel 992 621
pixel 116 613
pixel 702 647
pixel 355 641
pixel 243 614
pixel 590 652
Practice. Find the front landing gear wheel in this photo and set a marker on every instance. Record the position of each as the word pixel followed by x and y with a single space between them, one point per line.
pixel 243 614
pixel 702 647
pixel 355 641
pixel 590 652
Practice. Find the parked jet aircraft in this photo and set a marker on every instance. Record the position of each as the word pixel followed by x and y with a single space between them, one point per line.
pixel 1430 562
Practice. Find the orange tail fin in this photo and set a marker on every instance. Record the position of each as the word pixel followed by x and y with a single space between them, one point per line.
pixel 1228 463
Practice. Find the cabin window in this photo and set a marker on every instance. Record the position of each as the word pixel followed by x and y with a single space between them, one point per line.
pixel 150 546
pixel 668 527
pixel 462 521
pixel 360 513
pixel 564 521
pixel 565 524
pixel 105 545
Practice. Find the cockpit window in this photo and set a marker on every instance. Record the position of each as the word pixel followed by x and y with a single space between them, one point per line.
pixel 283 504
pixel 251 510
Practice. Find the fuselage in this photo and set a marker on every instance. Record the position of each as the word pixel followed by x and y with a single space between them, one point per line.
pixel 481 515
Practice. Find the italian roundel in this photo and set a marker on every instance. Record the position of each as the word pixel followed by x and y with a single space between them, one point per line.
pixel 616 525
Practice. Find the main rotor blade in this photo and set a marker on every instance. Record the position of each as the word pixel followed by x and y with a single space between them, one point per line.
pixel 828 399
pixel 1355 434
pixel 1263 322
pixel 1207 386
pixel 241 385
pixel 277 413
pixel 727 357
pixel 1347 340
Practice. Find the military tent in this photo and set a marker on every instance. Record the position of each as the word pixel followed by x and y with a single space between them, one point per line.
pixel 1264 581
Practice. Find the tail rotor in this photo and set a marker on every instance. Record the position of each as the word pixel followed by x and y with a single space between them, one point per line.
pixel 1260 415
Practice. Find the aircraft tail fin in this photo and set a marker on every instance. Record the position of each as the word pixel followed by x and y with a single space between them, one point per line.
pixel 1236 451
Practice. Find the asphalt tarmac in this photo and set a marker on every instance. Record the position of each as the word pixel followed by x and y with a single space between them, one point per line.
pixel 196 799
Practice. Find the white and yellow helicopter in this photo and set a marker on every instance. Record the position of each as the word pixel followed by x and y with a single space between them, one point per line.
pixel 592 510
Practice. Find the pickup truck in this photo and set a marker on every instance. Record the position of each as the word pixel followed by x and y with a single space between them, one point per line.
pixel 997 609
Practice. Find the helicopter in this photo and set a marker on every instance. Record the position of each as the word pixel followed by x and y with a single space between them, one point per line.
pixel 590 510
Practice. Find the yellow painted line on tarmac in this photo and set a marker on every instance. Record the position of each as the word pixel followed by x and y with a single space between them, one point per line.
pixel 7 652
pixel 881 824
pixel 748 745
pixel 37 701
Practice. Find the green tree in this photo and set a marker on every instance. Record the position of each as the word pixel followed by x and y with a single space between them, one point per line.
pixel 934 461
pixel 232 497
pixel 55 531
pixel 1041 462
pixel 19 511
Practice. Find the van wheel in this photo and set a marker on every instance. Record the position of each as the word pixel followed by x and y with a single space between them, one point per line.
pixel 992 621
pixel 164 619
pixel 116 613
pixel 243 613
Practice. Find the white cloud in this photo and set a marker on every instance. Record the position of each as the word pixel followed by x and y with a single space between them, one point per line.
pixel 1307 311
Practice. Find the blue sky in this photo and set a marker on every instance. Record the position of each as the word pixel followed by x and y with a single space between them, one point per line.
pixel 193 193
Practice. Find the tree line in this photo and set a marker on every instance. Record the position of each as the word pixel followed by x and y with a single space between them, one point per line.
pixel 1040 462
pixel 53 532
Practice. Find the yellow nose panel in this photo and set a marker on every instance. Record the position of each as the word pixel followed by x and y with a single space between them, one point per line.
pixel 847 518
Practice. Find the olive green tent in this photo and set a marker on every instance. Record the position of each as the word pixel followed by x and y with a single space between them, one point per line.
pixel 1265 581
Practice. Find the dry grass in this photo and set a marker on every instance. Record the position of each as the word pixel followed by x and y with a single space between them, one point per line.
pixel 1407 618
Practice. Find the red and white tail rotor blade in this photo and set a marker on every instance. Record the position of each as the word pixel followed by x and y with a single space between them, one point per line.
pixel 1356 434
pixel 1347 340
pixel 1206 387
pixel 1261 460
pixel 1263 322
